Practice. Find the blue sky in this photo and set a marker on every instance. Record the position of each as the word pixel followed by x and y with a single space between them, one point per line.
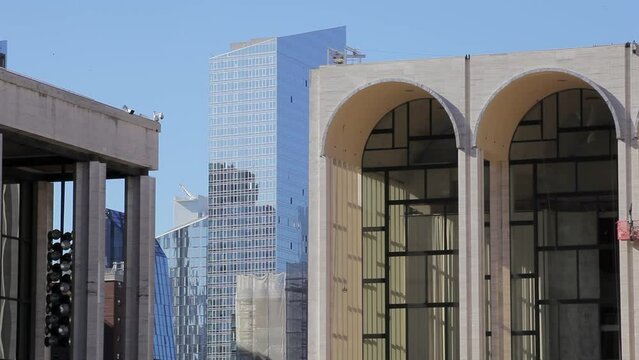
pixel 153 55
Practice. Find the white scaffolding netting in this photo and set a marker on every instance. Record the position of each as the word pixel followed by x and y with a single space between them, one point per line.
pixel 260 317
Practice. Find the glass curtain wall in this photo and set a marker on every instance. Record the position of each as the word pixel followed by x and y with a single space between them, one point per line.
pixel 564 262
pixel 14 265
pixel 410 235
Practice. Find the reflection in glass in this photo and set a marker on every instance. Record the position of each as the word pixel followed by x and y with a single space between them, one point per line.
pixel 410 235
pixel 11 290
pixel 564 267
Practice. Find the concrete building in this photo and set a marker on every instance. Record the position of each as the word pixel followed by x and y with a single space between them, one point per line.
pixel 465 207
pixel 51 135
pixel 258 172
pixel 186 247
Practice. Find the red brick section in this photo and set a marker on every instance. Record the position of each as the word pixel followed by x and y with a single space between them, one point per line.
pixel 113 328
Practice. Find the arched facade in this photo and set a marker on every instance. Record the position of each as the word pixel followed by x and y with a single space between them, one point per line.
pixel 484 98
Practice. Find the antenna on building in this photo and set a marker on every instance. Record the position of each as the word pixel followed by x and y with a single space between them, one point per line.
pixel 188 193
pixel 347 56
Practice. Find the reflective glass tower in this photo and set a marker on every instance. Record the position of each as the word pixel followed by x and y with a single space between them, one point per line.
pixel 163 341
pixel 185 247
pixel 258 172
pixel 3 53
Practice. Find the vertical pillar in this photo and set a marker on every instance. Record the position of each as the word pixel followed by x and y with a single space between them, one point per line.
pixel 139 267
pixel 472 328
pixel 88 272
pixel 628 168
pixel 499 260
pixel 319 248
pixel 42 210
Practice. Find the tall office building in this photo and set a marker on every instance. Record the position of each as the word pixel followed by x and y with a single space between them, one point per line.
pixel 3 53
pixel 258 172
pixel 185 246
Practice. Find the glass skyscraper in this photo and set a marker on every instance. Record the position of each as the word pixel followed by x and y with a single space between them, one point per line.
pixel 163 341
pixel 258 171
pixel 185 247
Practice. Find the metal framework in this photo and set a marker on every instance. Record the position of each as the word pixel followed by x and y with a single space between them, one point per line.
pixel 565 146
pixel 414 143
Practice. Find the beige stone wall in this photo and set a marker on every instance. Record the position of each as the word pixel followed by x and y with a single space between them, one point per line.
pixel 347 101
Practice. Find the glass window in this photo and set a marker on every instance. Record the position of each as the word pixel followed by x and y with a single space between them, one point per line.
pixel 420 232
pixel 563 252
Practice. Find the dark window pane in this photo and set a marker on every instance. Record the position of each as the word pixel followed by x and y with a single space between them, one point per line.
pixel 584 143
pixel 380 141
pixel 549 330
pixel 441 183
pixel 550 117
pixel 579 331
pixel 11 210
pixel 534 114
pixel 406 185
pixel 558 274
pixel 401 113
pixel 433 151
pixel 596 112
pixel 400 132
pixel 441 123
pixel 386 122
pixel 547 227
pixel 589 274
pixel 521 184
pixel 9 266
pixel 577 227
pixel 597 175
pixel 527 132
pixel 382 158
pixel 533 150
pixel 419 117
pixel 569 109
pixel 556 177
pixel 9 326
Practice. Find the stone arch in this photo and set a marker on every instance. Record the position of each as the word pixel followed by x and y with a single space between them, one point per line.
pixel 510 102
pixel 344 138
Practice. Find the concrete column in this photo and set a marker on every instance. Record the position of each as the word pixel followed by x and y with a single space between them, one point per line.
pixel 88 273
pixel 139 268
pixel 319 270
pixel 42 210
pixel 472 328
pixel 628 169
pixel 499 261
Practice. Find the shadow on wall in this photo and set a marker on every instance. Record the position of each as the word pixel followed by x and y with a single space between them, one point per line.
pixel 244 354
